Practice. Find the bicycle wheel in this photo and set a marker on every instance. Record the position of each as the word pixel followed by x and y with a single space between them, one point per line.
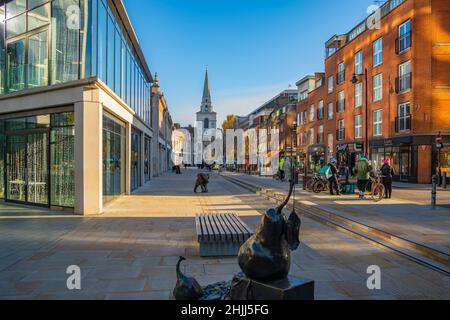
pixel 378 192
pixel 319 186
pixel 309 184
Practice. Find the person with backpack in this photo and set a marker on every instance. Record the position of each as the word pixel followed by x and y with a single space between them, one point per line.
pixel 388 173
pixel 281 172
pixel 362 171
pixel 333 180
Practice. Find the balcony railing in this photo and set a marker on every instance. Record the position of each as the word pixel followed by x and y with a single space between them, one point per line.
pixel 340 106
pixel 403 124
pixel 340 77
pixel 340 134
pixel 403 83
pixel 403 43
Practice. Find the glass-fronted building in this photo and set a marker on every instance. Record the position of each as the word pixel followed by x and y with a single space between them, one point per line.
pixel 75 104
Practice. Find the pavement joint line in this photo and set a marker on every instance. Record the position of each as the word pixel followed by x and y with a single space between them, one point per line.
pixel 265 193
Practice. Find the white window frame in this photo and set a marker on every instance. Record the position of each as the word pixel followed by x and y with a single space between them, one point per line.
pixel 403 70
pixel 402 119
pixel 358 95
pixel 330 84
pixel 321 107
pixel 359 62
pixel 311 138
pixel 403 30
pixel 341 98
pixel 330 111
pixel 378 87
pixel 341 70
pixel 320 132
pixel 341 130
pixel 312 111
pixel 358 126
pixel 378 52
pixel 378 123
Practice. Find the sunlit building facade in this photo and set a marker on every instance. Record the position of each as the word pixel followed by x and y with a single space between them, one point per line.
pixel 75 104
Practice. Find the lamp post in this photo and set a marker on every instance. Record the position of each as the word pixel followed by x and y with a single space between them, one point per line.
pixel 355 80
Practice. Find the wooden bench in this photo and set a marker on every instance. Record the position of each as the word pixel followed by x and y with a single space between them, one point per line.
pixel 221 235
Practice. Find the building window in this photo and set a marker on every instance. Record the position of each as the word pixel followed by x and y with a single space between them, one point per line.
pixel 311 113
pixel 320 111
pixel 378 87
pixel 404 37
pixel 303 95
pixel 340 134
pixel 358 95
pixel 330 144
pixel 330 111
pixel 359 62
pixel 341 102
pixel 378 123
pixel 358 127
pixel 320 137
pixel 299 118
pixel 403 82
pixel 311 136
pixel 403 122
pixel 341 73
pixel 378 52
pixel 305 117
pixel 330 84
pixel 319 83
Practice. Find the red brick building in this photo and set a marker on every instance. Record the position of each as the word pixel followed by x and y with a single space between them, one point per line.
pixel 385 91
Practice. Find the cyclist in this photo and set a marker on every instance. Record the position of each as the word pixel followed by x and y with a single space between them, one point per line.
pixel 333 178
pixel 362 171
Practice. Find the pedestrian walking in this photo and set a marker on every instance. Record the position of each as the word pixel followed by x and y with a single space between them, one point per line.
pixel 281 168
pixel 333 180
pixel 362 171
pixel 388 173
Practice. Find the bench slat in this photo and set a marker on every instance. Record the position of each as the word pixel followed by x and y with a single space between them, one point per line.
pixel 209 229
pixel 215 230
pixel 245 229
pixel 198 227
pixel 233 234
pixel 228 233
pixel 238 233
pixel 222 233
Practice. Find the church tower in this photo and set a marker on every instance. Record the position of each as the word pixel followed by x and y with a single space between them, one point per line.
pixel 206 114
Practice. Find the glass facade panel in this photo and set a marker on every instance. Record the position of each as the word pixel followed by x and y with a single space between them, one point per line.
pixel 65 42
pixel 38 17
pixel 16 26
pixel 15 7
pixel 63 162
pixel 111 48
pixel 135 158
pixel 113 159
pixel 38 60
pixel 16 65
pixel 102 41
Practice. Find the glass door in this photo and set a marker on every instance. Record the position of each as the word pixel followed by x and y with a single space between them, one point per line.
pixel 27 173
pixel 16 168
pixel 37 165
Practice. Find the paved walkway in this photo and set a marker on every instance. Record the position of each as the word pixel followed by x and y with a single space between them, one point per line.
pixel 130 252
pixel 405 215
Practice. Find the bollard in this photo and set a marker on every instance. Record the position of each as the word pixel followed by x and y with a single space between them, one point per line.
pixel 434 191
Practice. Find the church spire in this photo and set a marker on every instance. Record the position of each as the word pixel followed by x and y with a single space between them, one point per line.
pixel 206 101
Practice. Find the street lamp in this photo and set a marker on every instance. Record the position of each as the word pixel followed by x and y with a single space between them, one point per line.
pixel 355 80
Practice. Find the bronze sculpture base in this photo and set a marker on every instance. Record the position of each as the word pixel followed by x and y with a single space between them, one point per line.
pixel 290 288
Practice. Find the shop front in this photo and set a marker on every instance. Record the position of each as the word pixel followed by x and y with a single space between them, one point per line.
pixel 317 158
pixel 37 159
pixel 346 155
pixel 403 154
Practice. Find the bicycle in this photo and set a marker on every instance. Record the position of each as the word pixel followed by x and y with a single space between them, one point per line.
pixel 377 189
pixel 323 185
pixel 312 181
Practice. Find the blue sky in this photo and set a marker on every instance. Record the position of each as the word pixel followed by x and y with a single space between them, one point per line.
pixel 254 49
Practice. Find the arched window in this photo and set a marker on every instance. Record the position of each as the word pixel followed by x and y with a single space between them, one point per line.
pixel 206 123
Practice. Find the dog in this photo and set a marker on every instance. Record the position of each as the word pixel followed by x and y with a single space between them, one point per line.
pixel 202 181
